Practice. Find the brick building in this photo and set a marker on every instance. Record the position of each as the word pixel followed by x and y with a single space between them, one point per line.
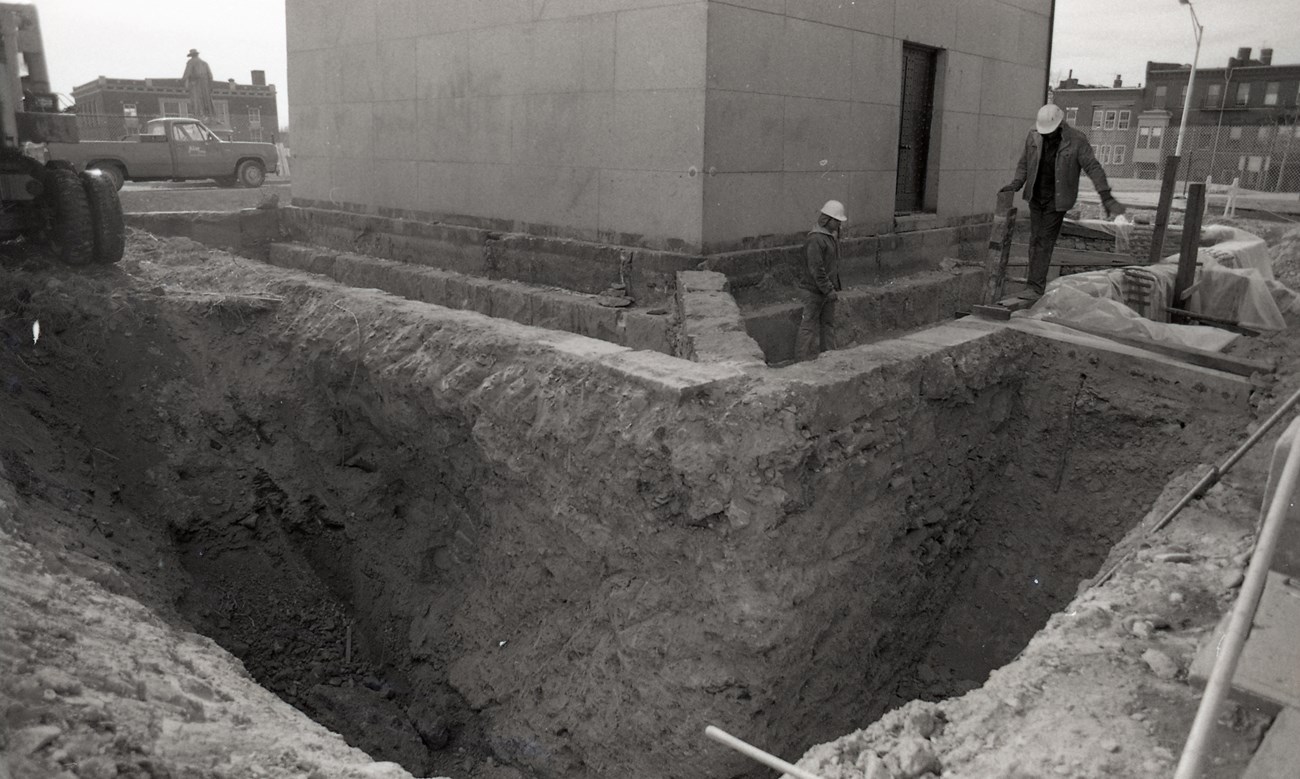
pixel 1108 115
pixel 1242 121
pixel 109 108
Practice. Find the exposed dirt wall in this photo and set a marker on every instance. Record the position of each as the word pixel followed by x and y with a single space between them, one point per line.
pixel 549 539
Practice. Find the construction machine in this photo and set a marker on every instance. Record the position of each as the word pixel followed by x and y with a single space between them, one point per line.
pixel 76 216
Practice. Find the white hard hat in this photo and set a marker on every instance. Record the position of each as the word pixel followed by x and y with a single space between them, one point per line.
pixel 835 210
pixel 1050 117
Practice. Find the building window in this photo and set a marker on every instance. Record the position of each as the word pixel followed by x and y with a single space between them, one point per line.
pixel 1124 117
pixel 1264 132
pixel 1235 133
pixel 1270 93
pixel 221 116
pixel 1098 115
pixel 255 134
pixel 1072 116
pixel 173 107
pixel 1103 153
pixel 129 109
pixel 1182 95
pixel 1212 95
pixel 1162 92
pixel 1110 120
pixel 254 116
pixel 1243 94
pixel 1150 137
pixel 1118 157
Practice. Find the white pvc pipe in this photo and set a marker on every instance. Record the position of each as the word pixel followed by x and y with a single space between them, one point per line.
pixel 1243 615
pixel 769 760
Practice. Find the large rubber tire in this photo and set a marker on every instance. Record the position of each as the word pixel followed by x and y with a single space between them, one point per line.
pixel 113 171
pixel 105 217
pixel 251 173
pixel 71 233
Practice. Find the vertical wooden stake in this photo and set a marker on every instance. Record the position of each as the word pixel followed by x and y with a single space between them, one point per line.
pixel 1167 180
pixel 1190 248
pixel 347 647
pixel 1004 228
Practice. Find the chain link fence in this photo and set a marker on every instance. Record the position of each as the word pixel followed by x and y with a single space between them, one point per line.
pixel 1261 157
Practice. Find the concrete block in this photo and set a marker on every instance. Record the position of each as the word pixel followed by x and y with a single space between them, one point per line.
pixel 657 130
pixel 700 281
pixel 290 255
pixel 657 205
pixel 956 193
pixel 819 135
pixel 597 321
pixel 564 129
pixel 743 131
pixel 873 142
pixel 927 22
pixel 554 310
pixel 431 287
pixel 1266 671
pixel 744 51
pixel 458 291
pixel 662 48
pixel 1279 754
pixel 482 295
pixel 738 206
pixel 813 60
pixel 670 377
pixel 513 302
pixel 877 69
pixel 442 67
pixel 647 331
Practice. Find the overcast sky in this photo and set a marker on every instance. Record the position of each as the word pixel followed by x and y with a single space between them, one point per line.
pixel 1098 39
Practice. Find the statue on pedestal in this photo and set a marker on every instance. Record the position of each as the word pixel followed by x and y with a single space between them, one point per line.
pixel 198 82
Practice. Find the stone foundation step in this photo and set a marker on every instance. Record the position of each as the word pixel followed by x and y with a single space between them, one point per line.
pixel 1279 754
pixel 1268 672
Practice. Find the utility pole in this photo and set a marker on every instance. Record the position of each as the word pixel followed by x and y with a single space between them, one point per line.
pixel 1191 77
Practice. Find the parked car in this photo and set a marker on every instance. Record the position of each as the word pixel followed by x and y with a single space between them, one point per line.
pixel 173 149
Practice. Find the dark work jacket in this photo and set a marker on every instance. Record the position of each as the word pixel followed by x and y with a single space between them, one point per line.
pixel 821 265
pixel 1073 156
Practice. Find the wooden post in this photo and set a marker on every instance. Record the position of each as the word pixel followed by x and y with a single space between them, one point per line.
pixel 1191 245
pixel 1004 228
pixel 1168 178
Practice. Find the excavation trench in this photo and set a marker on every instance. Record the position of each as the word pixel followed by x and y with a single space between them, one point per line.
pixel 472 549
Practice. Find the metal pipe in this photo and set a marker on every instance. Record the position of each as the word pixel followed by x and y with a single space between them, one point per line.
pixel 1208 480
pixel 769 760
pixel 1243 615
pixel 1216 473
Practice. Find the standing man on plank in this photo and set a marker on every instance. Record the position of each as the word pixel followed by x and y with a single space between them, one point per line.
pixel 1055 154
pixel 820 282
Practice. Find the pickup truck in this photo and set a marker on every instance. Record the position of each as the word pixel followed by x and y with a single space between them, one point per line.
pixel 173 149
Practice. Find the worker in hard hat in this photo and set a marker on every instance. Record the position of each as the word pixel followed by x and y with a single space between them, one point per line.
pixel 1054 155
pixel 820 282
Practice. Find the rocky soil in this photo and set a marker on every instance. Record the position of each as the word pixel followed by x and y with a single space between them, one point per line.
pixel 117 627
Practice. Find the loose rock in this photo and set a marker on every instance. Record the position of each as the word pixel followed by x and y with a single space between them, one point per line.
pixel 1161 664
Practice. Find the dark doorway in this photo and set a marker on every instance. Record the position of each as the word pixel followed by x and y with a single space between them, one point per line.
pixel 914 128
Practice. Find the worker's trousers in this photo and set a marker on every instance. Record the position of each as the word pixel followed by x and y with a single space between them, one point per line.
pixel 816 326
pixel 1044 227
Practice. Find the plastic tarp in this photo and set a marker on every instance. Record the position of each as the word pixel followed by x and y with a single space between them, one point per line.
pixel 1095 300
pixel 1121 228
pixel 1234 282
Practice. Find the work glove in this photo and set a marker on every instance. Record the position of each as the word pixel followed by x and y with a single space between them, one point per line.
pixel 1113 207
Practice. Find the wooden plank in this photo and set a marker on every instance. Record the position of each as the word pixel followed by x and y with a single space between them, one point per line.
pixel 1167 181
pixel 1000 313
pixel 1204 358
pixel 1190 250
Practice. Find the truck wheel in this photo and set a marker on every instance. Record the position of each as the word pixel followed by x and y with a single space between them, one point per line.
pixel 114 173
pixel 251 173
pixel 71 233
pixel 105 216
